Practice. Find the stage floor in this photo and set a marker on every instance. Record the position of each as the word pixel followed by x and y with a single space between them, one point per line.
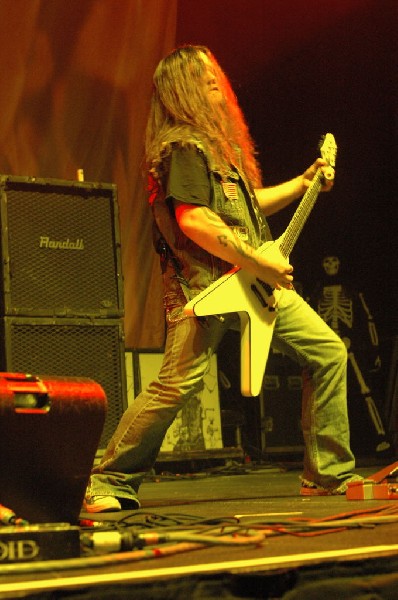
pixel 255 497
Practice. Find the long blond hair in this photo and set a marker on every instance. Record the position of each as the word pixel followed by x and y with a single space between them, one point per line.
pixel 181 111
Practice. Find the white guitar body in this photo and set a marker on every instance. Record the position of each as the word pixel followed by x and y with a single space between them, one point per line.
pixel 255 302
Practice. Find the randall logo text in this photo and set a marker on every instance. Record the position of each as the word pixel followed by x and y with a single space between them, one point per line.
pixel 46 242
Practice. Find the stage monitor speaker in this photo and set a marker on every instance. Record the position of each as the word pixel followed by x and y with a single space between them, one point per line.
pixel 49 432
pixel 73 348
pixel 60 250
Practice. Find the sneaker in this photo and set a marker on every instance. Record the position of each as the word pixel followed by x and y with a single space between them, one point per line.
pixel 308 488
pixel 95 504
pixel 311 489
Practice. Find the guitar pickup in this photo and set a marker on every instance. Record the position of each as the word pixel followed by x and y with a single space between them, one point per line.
pixel 266 287
pixel 257 292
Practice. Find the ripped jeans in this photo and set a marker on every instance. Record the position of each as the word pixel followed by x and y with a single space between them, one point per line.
pixel 300 333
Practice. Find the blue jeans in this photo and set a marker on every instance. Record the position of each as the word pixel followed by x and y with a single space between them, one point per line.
pixel 299 333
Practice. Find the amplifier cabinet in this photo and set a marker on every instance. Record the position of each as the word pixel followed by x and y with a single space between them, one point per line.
pixel 49 431
pixel 72 348
pixel 60 249
pixel 280 406
pixel 271 423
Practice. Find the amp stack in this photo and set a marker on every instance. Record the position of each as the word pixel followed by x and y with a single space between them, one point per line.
pixel 61 296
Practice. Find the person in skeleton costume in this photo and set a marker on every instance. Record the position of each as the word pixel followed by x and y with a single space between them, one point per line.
pixel 345 310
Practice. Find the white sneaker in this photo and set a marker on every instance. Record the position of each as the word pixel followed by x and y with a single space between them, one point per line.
pixel 95 504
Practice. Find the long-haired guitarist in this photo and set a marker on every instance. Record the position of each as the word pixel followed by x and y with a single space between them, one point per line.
pixel 210 207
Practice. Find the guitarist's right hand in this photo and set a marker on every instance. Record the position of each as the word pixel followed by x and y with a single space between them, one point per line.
pixel 274 270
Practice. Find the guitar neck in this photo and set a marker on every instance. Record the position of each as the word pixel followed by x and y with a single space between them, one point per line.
pixel 301 215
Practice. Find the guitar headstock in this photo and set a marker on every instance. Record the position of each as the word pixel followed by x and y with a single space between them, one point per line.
pixel 328 149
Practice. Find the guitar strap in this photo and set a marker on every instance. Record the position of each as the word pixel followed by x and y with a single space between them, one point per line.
pixel 167 255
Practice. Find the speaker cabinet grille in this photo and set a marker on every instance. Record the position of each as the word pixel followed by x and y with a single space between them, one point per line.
pixel 60 249
pixel 71 348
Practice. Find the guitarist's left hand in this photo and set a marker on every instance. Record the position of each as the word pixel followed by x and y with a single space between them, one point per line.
pixel 273 199
pixel 327 171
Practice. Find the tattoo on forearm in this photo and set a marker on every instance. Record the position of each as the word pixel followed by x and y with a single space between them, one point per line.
pixel 223 240
pixel 237 245
pixel 226 240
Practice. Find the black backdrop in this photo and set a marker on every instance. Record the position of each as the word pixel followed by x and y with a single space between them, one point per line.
pixel 301 69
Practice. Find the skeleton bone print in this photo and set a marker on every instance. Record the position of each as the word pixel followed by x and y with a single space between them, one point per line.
pixel 336 303
pixel 335 306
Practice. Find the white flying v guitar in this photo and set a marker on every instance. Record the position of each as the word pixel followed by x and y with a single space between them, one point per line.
pixel 255 301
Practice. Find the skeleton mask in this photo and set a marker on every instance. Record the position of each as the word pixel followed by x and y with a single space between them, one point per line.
pixel 331 265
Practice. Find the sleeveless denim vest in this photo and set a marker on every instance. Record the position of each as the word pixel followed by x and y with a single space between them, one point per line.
pixel 187 268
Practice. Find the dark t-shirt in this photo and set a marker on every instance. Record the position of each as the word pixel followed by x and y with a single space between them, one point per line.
pixel 188 179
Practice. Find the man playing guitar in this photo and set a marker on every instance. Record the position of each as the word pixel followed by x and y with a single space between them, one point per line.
pixel 210 207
